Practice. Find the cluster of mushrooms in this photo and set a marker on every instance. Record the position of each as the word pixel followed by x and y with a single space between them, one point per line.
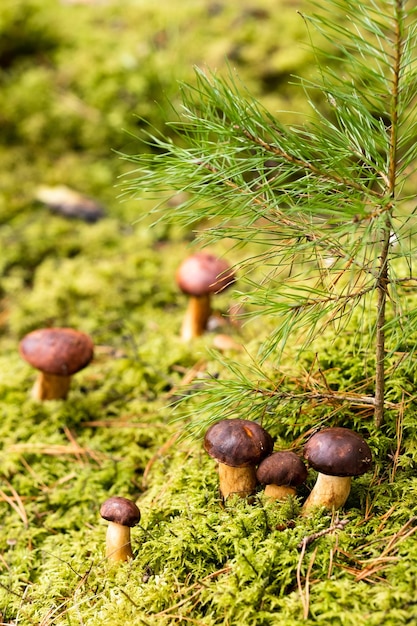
pixel 244 452
pixel 245 457
pixel 242 448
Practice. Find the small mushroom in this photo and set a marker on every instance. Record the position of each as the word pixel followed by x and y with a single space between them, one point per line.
pixel 199 276
pixel 337 454
pixel 122 514
pixel 57 353
pixel 238 445
pixel 281 473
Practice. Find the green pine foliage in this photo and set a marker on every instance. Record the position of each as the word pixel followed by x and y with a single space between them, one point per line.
pixel 326 202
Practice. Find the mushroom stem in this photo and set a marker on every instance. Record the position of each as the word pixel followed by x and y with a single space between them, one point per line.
pixel 118 546
pixel 237 480
pixel 51 387
pixel 196 317
pixel 279 492
pixel 330 492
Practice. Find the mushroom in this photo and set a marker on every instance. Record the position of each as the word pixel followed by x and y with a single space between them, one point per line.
pixel 122 514
pixel 199 276
pixel 238 445
pixel 57 353
pixel 281 472
pixel 337 454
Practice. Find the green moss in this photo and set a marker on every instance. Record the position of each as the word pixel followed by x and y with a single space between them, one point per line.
pixel 66 95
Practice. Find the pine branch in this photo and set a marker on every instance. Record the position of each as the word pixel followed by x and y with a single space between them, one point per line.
pixel 310 166
pixel 321 206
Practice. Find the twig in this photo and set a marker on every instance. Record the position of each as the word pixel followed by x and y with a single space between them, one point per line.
pixel 78 449
pixel 120 424
pixel 157 455
pixel 54 450
pixel 305 594
pixel 339 525
pixel 15 502
pixel 182 618
pixel 399 436
pixel 386 557
pixel 14 593
pixel 308 165
pixel 351 398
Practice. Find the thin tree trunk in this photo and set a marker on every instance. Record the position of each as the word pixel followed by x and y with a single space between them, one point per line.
pixel 382 289
pixel 383 275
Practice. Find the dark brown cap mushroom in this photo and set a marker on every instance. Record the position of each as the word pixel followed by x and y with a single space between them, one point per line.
pixel 281 472
pixel 122 514
pixel 199 276
pixel 337 454
pixel 57 353
pixel 120 511
pixel 238 445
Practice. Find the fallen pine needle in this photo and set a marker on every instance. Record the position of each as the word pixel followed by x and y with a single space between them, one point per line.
pixel 54 450
pixel 120 424
pixel 157 455
pixel 16 503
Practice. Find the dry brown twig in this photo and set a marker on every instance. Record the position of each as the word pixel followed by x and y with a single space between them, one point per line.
pixel 373 566
pixel 121 423
pixel 52 449
pixel 387 555
pixel 399 437
pixel 338 525
pixel 15 502
pixel 158 454
pixel 305 592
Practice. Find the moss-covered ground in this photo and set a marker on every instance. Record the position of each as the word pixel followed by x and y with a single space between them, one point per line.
pixel 76 79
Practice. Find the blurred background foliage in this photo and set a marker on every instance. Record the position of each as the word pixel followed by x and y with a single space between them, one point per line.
pixel 79 80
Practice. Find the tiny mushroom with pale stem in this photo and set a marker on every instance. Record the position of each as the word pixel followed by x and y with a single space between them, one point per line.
pixel 281 473
pixel 57 353
pixel 337 454
pixel 200 276
pixel 238 445
pixel 122 514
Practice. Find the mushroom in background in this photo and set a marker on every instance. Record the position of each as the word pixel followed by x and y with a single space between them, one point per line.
pixel 337 454
pixel 122 514
pixel 239 446
pixel 281 473
pixel 57 353
pixel 199 276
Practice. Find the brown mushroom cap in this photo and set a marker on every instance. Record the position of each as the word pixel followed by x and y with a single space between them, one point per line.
pixel 238 442
pixel 57 351
pixel 203 273
pixel 338 452
pixel 282 468
pixel 120 511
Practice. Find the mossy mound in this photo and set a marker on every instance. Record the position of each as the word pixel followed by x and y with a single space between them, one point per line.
pixel 78 83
